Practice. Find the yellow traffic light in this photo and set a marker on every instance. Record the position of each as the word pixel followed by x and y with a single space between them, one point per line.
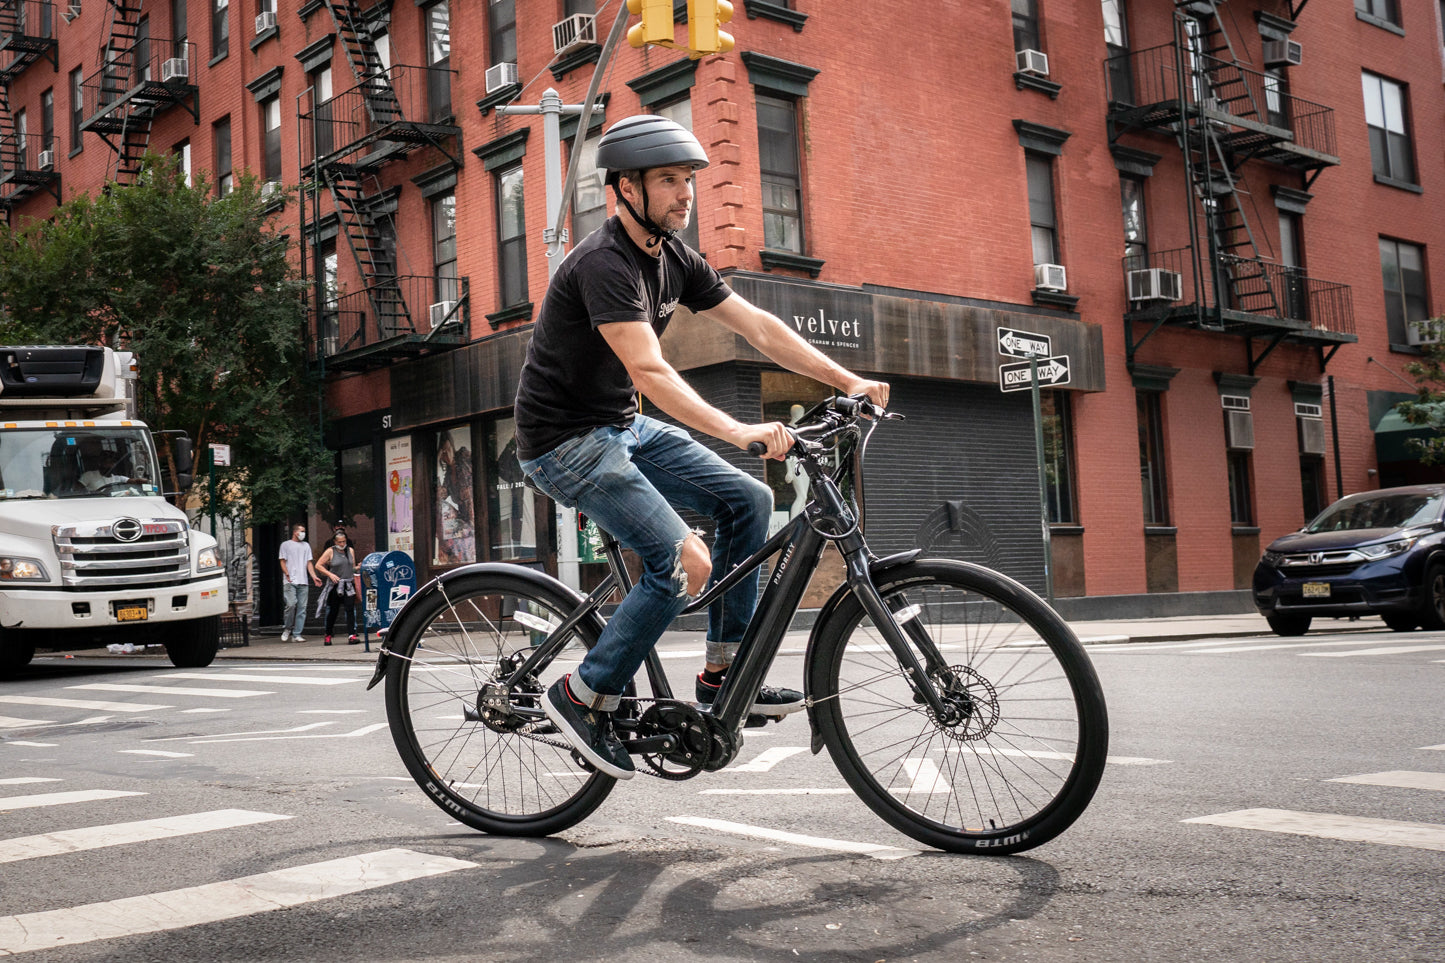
pixel 656 25
pixel 703 35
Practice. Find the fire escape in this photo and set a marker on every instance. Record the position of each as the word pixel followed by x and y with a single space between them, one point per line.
pixel 346 141
pixel 140 77
pixel 27 158
pixel 1223 114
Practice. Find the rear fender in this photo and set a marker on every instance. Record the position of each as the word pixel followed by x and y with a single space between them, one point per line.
pixel 877 569
pixel 438 585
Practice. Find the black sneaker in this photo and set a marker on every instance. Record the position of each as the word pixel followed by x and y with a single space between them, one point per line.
pixel 590 732
pixel 770 701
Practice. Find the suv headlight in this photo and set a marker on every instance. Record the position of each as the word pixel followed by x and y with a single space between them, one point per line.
pixel 207 560
pixel 1386 549
pixel 22 570
pixel 1272 558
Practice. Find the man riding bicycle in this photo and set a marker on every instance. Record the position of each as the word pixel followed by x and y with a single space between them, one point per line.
pixel 582 441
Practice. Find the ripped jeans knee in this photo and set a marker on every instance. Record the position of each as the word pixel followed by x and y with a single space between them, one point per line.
pixel 692 565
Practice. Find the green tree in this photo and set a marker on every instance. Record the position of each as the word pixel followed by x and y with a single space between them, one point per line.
pixel 1428 408
pixel 203 290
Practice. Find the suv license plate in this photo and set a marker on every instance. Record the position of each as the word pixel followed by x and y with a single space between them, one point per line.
pixel 1315 590
pixel 130 613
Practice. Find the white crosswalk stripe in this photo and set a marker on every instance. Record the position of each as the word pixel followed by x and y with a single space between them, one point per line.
pixel 1362 829
pixel 212 902
pixel 1398 779
pixel 19 700
pixel 268 679
pixel 120 834
pixel 8 803
pixel 172 690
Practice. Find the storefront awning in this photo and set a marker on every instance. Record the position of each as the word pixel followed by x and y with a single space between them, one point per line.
pixel 1393 431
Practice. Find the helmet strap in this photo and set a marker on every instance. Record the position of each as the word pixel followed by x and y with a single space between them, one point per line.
pixel 656 233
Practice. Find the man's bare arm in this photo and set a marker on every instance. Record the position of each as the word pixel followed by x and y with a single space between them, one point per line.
pixel 636 346
pixel 772 337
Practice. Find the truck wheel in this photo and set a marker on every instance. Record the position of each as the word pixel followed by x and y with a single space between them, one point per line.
pixel 15 653
pixel 1289 624
pixel 193 645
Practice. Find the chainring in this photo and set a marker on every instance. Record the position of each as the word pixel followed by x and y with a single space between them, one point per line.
pixel 691 731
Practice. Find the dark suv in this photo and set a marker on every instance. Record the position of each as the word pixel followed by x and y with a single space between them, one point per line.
pixel 1373 553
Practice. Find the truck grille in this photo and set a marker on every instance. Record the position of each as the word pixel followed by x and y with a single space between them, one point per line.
pixel 96 555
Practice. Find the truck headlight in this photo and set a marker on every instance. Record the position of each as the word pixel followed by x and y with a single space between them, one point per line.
pixel 22 570
pixel 207 560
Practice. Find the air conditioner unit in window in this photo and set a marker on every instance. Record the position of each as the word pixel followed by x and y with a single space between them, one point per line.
pixel 270 190
pixel 1050 277
pixel 1033 62
pixel 500 75
pixel 577 29
pixel 1238 429
pixel 1282 53
pixel 1423 332
pixel 175 69
pixel 1311 436
pixel 1155 284
pixel 72 10
pixel 1303 410
pixel 265 20
pixel 440 311
pixel 46 160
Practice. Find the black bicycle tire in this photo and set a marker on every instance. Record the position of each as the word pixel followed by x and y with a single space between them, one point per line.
pixel 1072 798
pixel 403 637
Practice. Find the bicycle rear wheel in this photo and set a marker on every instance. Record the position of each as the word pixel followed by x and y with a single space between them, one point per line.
pixel 509 772
pixel 1023 757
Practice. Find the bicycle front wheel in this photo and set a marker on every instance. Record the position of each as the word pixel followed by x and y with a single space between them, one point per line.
pixel 1022 748
pixel 505 771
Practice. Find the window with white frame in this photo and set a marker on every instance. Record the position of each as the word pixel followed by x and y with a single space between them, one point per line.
pixel 1387 118
pixel 511 238
pixel 781 172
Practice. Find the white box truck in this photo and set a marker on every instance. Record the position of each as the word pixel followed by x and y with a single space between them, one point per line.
pixel 91 552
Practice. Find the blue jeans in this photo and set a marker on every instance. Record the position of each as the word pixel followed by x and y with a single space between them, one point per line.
pixel 295 596
pixel 627 480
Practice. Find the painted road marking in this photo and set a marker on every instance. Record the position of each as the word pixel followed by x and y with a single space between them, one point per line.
pixel 874 850
pixel 328 712
pixel 120 834
pixel 61 798
pixel 268 679
pixel 10 722
pixel 1398 779
pixel 32 745
pixel 353 734
pixel 1064 756
pixel 1387 650
pixel 792 791
pixel 157 752
pixel 212 902
pixel 1360 829
pixel 1383 642
pixel 173 690
pixel 80 704
pixel 768 758
pixel 259 732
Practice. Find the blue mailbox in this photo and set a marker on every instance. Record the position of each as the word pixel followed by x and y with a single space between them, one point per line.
pixel 389 579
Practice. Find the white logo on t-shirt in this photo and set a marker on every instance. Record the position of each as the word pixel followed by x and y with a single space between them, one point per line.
pixel 664 310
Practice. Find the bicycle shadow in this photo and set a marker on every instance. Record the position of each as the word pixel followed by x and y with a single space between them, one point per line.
pixel 669 896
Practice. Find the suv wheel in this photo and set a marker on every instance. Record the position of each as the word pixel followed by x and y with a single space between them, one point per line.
pixel 1432 612
pixel 1297 624
pixel 1402 621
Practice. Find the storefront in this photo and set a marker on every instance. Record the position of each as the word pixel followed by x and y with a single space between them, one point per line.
pixel 957 478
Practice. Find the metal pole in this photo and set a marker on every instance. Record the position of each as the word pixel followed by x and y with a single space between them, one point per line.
pixel 1335 433
pixel 212 500
pixel 1043 478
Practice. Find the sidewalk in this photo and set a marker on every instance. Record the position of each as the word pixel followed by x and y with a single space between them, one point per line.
pixel 268 645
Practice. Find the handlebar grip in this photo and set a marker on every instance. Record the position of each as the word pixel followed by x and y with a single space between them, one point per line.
pixel 757 449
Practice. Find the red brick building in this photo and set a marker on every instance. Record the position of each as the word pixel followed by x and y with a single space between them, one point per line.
pixel 1220 213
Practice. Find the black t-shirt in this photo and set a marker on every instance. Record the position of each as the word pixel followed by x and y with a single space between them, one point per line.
pixel 572 381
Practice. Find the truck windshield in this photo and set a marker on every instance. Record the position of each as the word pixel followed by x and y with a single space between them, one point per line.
pixel 90 462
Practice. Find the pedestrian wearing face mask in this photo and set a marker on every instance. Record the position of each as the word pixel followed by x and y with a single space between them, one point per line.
pixel 343 585
pixel 297 572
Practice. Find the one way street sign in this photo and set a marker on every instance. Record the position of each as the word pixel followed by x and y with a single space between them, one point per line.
pixel 1052 371
pixel 1024 344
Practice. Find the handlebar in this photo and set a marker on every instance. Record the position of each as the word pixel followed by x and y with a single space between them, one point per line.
pixel 851 407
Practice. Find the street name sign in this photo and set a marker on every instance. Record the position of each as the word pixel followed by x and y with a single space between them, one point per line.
pixel 1052 371
pixel 1024 344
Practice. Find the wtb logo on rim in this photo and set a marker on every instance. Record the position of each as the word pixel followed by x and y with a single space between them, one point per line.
pixel 126 529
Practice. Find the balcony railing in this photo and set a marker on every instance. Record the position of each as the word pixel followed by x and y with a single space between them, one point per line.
pixel 27 31
pixel 402 108
pixel 1280 292
pixel 1145 88
pixel 146 78
pixel 349 330
pixel 32 162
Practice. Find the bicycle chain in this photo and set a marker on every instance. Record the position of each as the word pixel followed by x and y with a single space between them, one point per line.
pixel 560 744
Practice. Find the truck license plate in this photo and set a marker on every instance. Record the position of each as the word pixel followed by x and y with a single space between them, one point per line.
pixel 1315 590
pixel 130 613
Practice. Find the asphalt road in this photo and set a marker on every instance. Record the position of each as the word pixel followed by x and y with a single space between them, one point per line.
pixel 1268 799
